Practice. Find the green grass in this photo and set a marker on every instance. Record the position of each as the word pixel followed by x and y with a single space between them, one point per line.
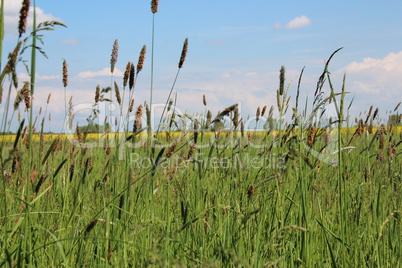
pixel 301 196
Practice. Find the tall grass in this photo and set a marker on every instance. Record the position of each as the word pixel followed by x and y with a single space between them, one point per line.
pixel 310 193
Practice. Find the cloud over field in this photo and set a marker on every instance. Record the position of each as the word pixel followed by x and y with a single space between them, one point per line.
pixel 298 22
pixel 103 72
pixel 11 16
pixel 381 78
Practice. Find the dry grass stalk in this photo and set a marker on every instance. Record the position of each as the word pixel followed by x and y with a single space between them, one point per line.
pixel 115 52
pixel 48 98
pixel 242 128
pixel 65 73
pixel 183 53
pixel 154 6
pixel 117 92
pixel 24 11
pixel 141 59
pixel 131 77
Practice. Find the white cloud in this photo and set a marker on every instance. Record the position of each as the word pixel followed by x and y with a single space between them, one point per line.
pixel 373 81
pixel 11 16
pixel 103 72
pixel 298 22
pixel 70 41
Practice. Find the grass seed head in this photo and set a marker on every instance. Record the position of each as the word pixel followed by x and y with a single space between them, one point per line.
pixel 130 109
pixel 172 148
pixel 126 74
pixel 26 93
pixel 115 52
pixel 24 11
pixel 65 73
pixel 131 78
pixel 282 80
pixel 97 94
pixel 154 6
pixel 263 110
pixel 204 100
pixel 183 53
pixel 311 136
pixel 138 118
pixel 141 58
pixel 117 92
pixel 250 191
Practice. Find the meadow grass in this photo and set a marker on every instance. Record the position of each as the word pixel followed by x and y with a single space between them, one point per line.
pixel 310 193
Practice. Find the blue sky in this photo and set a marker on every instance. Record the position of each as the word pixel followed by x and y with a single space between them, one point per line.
pixel 236 49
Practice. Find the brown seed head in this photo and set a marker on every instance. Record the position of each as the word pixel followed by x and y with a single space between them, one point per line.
pixel 311 136
pixel 126 74
pixel 48 98
pixel 154 6
pixel 263 110
pixel 117 92
pixel 368 115
pixel 209 117
pixel 18 98
pixel 235 119
pixel 141 58
pixel 130 109
pixel 91 225
pixel 27 97
pixel 397 106
pixel 137 121
pixel 65 73
pixel 282 80
pixel 204 100
pixel 183 53
pixel 97 94
pixel 115 52
pixel 258 114
pixel 250 191
pixel 191 151
pixel 172 148
pixel 23 16
pixel 131 79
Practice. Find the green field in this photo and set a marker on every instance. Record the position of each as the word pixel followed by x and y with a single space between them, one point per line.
pixel 309 192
